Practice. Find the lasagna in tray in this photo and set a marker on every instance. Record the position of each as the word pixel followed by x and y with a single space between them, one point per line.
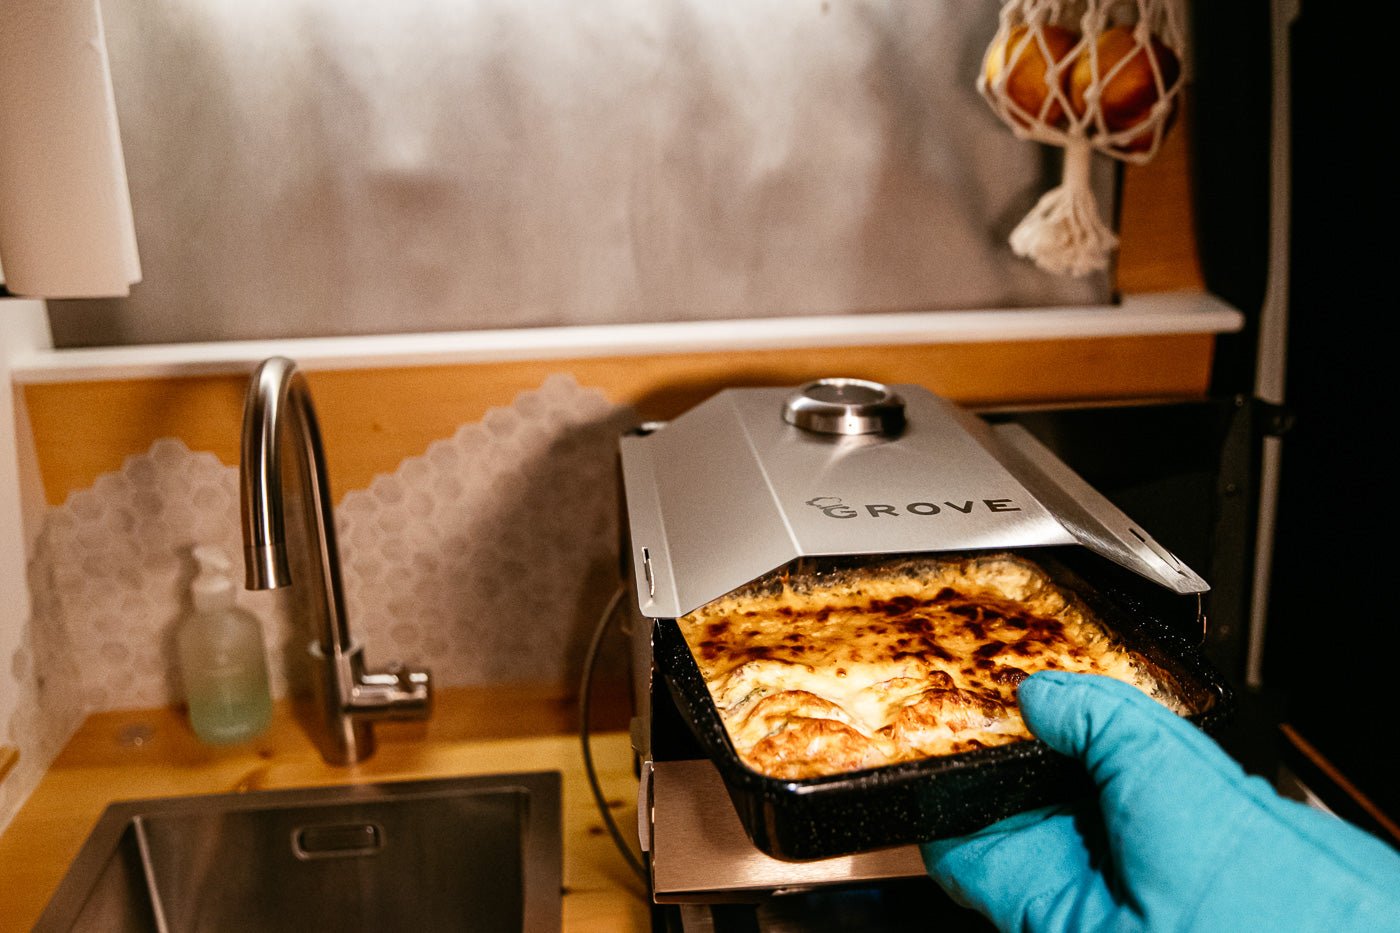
pixel 822 674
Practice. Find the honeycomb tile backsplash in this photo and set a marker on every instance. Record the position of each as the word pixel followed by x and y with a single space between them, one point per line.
pixel 490 556
pixel 487 559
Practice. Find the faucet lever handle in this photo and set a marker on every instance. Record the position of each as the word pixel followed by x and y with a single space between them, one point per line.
pixel 395 692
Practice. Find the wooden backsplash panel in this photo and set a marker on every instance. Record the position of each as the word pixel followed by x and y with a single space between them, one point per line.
pixel 373 419
pixel 1157 221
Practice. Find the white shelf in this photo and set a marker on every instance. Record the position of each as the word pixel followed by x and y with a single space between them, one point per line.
pixel 1137 315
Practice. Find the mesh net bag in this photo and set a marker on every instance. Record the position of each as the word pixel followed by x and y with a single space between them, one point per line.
pixel 1084 75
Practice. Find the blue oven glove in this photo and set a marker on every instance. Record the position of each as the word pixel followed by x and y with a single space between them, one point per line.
pixel 1179 839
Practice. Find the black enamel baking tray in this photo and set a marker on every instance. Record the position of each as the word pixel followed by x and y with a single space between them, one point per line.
pixel 948 795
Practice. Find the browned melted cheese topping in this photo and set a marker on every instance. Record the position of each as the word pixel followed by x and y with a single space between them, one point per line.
pixel 905 661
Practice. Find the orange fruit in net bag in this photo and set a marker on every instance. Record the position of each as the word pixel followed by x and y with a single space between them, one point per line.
pixel 1129 91
pixel 1024 59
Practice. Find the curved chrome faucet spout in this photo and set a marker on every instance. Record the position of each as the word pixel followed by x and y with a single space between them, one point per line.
pixel 349 696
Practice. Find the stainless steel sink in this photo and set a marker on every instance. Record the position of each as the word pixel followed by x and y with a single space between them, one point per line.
pixel 474 853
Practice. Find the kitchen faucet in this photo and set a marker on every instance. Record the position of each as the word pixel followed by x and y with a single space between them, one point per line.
pixel 349 697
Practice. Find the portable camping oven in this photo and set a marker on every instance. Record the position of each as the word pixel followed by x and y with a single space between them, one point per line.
pixel 754 479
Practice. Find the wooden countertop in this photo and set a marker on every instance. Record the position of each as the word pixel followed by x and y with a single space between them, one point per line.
pixel 153 753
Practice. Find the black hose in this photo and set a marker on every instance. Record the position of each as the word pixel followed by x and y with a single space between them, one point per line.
pixel 585 693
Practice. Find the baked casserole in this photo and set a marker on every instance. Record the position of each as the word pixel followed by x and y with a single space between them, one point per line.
pixel 824 673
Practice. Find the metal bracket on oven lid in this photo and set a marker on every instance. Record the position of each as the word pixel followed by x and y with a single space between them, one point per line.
pixel 1086 514
pixel 647 572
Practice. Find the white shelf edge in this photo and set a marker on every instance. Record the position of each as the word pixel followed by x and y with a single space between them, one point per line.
pixel 1146 314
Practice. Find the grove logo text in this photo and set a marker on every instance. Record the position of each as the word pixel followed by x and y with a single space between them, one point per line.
pixel 834 507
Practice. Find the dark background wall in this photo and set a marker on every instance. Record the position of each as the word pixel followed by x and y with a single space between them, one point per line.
pixel 1332 624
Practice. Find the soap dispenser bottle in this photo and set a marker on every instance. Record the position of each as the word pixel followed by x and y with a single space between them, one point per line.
pixel 222 658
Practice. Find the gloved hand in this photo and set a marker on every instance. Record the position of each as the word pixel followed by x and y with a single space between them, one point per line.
pixel 1179 838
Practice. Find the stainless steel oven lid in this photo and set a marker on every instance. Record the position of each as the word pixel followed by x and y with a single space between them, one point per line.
pixel 733 489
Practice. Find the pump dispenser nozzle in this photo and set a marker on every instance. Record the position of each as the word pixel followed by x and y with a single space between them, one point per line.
pixel 211 590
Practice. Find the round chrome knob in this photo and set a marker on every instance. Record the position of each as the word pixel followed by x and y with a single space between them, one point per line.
pixel 845 406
